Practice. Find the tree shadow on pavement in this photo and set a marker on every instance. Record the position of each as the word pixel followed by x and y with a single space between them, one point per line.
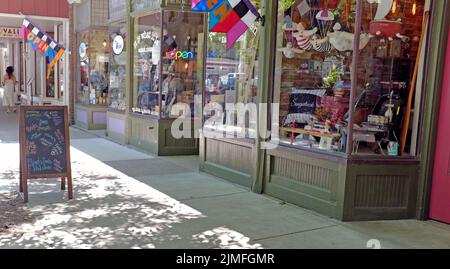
pixel 112 210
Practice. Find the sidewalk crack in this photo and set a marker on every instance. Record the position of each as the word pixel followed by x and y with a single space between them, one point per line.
pixel 292 233
pixel 212 196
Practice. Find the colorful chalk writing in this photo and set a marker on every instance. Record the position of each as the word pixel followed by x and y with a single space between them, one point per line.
pixel 39 164
pixel 45 143
pixel 31 148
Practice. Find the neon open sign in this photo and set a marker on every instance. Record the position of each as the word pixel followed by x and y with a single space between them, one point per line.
pixel 177 55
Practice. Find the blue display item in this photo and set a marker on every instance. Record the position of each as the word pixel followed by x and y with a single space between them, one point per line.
pixel 392 148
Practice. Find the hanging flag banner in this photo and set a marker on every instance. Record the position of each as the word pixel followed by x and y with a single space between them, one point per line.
pixel 42 42
pixel 233 17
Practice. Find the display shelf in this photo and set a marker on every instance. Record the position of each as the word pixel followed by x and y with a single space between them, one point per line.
pixel 287 130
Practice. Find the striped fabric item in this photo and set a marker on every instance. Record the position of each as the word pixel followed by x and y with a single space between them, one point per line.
pixel 304 42
pixel 322 45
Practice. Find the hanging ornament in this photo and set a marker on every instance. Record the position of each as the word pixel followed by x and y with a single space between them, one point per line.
pixel 382 27
pixel 325 19
pixel 289 51
pixel 321 45
pixel 303 37
pixel 343 41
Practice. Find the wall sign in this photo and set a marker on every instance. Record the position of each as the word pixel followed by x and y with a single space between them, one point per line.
pixel 44 145
pixel 118 45
pixel 9 32
pixel 178 55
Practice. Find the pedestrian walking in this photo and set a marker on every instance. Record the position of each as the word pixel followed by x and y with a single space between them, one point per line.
pixel 9 85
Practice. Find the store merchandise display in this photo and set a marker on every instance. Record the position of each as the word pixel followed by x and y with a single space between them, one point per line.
pixel 314 66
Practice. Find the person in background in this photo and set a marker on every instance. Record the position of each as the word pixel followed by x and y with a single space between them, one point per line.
pixel 9 85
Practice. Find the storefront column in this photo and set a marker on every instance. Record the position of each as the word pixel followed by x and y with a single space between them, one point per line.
pixel 265 84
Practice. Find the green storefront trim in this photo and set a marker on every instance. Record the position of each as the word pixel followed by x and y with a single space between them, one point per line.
pixel 348 188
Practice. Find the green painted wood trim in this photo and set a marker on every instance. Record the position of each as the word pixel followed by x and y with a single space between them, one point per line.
pixel 266 54
pixel 303 200
pixel 226 173
pixel 166 149
pixel 327 202
pixel 129 71
pixel 353 213
pixel 440 21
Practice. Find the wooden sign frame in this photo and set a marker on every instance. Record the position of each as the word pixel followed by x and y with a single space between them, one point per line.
pixel 24 173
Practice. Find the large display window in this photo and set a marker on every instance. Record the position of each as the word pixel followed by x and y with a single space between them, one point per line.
pixel 387 97
pixel 320 105
pixel 231 83
pixel 146 64
pixel 118 72
pixel 94 67
pixel 167 73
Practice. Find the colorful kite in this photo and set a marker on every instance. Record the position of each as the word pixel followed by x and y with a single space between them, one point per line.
pixel 233 17
pixel 41 41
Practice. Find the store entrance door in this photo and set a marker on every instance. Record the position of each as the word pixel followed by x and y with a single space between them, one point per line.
pixel 4 62
pixel 440 196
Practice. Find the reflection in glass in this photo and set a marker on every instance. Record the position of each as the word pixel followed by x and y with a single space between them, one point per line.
pixel 231 79
pixel 312 74
pixel 147 60
pixel 117 74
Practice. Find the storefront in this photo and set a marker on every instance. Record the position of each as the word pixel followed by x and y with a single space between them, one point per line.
pixel 116 118
pixel 167 61
pixel 31 67
pixel 347 129
pixel 92 95
pixel 235 79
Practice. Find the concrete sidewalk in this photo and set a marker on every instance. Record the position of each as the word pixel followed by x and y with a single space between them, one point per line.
pixel 128 199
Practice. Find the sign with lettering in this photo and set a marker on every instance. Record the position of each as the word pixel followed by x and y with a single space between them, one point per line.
pixel 44 145
pixel 302 103
pixel 9 32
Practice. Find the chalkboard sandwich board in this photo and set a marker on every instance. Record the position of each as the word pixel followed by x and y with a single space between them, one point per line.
pixel 44 146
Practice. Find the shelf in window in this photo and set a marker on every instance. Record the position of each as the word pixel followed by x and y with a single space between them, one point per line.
pixel 313 133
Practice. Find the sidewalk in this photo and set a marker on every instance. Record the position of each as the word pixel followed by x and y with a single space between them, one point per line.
pixel 128 199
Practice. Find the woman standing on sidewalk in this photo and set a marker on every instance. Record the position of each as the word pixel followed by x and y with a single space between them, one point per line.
pixel 9 84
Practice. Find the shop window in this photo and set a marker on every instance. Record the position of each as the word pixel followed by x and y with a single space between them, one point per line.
pixel 83 93
pixel 313 69
pixel 232 83
pixel 147 64
pixel 181 63
pixel 94 67
pixel 312 83
pixel 385 73
pixel 117 74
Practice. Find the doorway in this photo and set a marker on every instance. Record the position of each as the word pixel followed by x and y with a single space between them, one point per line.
pixel 440 195
pixel 4 62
